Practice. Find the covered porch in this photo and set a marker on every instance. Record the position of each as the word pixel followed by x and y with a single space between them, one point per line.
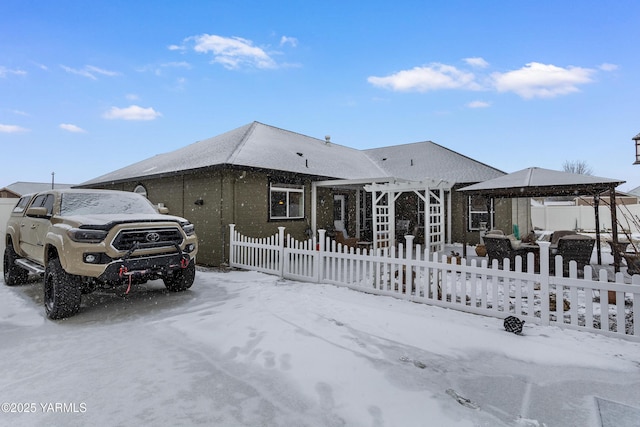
pixel 383 218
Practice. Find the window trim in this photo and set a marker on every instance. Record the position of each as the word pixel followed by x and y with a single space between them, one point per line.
pixel 141 189
pixel 288 189
pixel 471 213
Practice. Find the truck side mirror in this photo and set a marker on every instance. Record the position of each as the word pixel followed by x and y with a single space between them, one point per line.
pixel 37 212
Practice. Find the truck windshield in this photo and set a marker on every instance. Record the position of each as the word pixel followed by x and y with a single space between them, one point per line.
pixel 104 203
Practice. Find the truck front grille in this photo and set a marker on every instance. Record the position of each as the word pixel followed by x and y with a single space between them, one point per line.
pixel 148 238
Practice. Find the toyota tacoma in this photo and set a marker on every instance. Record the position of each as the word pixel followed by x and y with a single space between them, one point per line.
pixel 83 240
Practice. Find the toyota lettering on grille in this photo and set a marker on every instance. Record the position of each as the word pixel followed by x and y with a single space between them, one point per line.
pixel 152 237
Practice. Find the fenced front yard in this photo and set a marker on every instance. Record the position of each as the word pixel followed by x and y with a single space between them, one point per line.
pixel 600 306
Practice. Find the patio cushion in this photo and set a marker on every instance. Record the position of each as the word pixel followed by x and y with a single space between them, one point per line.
pixel 500 247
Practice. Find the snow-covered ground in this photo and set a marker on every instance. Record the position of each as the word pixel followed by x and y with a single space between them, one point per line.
pixel 248 349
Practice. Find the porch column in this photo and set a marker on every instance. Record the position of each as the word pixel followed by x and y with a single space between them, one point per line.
pixel 614 226
pixel 314 207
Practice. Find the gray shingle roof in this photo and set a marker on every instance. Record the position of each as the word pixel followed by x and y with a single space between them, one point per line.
pixel 23 188
pixel 420 160
pixel 258 145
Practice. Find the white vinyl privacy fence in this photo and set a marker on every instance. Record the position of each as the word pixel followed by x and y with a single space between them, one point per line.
pixel 599 306
pixel 583 218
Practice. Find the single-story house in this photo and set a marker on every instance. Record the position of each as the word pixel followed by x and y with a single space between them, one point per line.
pixel 260 177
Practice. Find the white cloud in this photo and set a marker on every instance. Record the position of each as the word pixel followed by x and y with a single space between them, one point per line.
pixel 175 47
pixel 181 64
pixel 232 53
pixel 608 67
pixel 536 80
pixel 4 72
pixel 132 112
pixel 12 129
pixel 132 97
pixel 422 79
pixel 71 128
pixel 90 71
pixel 477 62
pixel 478 104
pixel 288 40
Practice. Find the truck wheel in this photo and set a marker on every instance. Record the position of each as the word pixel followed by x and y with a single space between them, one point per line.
pixel 62 291
pixel 182 279
pixel 13 274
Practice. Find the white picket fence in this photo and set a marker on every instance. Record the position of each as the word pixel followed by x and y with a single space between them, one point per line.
pixel 437 279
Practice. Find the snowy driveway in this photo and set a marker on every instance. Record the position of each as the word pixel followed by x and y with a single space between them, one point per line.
pixel 245 349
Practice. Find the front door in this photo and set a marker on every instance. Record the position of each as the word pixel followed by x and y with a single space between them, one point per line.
pixel 339 212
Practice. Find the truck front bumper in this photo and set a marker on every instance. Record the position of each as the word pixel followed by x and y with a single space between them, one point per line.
pixel 145 267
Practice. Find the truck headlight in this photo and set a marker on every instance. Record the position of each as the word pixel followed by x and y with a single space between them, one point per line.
pixel 189 229
pixel 87 235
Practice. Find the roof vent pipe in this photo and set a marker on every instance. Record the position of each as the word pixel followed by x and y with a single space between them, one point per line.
pixel 327 139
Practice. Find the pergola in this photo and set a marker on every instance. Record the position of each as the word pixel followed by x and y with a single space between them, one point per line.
pixel 538 182
pixel 432 194
pixel 384 193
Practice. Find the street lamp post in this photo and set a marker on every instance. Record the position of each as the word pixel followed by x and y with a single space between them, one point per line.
pixel 637 140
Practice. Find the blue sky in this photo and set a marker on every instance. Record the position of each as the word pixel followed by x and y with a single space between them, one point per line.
pixel 90 87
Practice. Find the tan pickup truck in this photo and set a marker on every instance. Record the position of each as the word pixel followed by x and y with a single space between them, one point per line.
pixel 82 240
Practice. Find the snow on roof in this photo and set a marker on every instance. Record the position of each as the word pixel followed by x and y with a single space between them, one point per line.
pixel 258 145
pixel 635 191
pixel 22 188
pixel 543 181
pixel 420 160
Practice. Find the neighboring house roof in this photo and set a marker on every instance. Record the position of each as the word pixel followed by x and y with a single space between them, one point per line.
pixel 635 191
pixel 262 146
pixel 21 188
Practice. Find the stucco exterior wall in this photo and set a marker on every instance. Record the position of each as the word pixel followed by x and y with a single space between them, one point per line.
pixel 241 197
pixel 213 199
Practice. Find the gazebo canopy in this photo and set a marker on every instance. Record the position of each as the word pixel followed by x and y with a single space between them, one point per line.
pixel 538 182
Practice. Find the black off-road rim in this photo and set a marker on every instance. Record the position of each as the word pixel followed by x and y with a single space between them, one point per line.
pixel 49 293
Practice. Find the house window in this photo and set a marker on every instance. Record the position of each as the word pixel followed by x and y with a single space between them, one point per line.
pixel 140 189
pixel 287 202
pixel 480 210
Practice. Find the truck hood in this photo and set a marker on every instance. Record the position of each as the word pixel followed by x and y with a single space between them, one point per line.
pixel 108 221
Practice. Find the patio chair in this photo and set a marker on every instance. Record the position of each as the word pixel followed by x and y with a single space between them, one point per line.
pixel 344 240
pixel 556 235
pixel 633 263
pixel 500 247
pixel 576 247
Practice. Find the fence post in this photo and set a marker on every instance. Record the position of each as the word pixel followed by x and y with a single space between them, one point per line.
pixel 232 235
pixel 320 255
pixel 281 250
pixel 544 283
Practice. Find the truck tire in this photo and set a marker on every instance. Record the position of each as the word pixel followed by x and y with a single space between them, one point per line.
pixel 182 279
pixel 62 291
pixel 13 274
